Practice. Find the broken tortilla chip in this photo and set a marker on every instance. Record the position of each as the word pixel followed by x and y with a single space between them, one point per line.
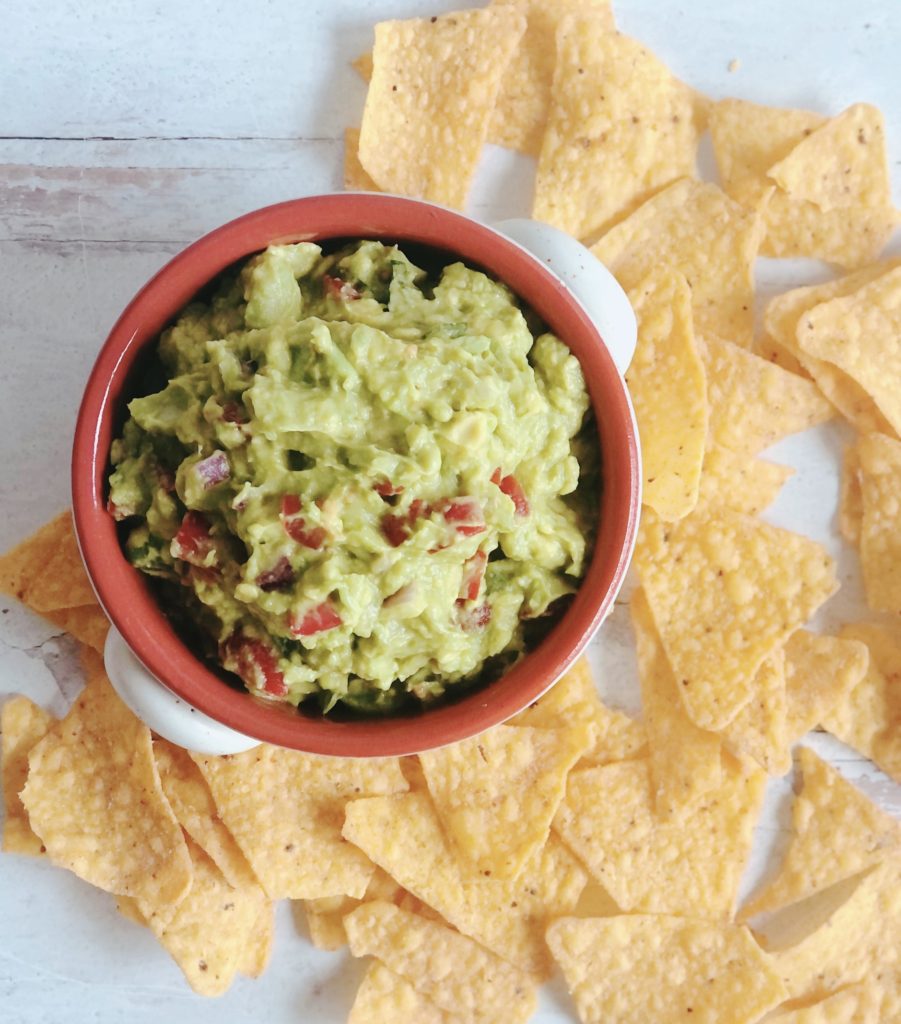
pixel 726 591
pixel 623 970
pixel 22 724
pixel 667 384
pixel 497 793
pixel 432 92
pixel 694 228
pixel 620 126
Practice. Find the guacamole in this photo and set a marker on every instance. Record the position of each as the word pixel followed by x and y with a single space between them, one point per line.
pixel 360 479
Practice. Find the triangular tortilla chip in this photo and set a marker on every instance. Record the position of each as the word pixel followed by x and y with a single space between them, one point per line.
pixel 739 482
pixel 820 672
pixel 432 92
pixel 838 833
pixel 685 760
pixel 386 996
pixel 520 114
pixel 403 835
pixel 574 700
pixel 759 730
pixel 753 402
pixel 620 126
pixel 497 793
pixel 857 939
pixel 622 970
pixel 45 571
pixel 858 333
pixel 285 810
pixel 840 164
pixel 450 969
pixel 22 724
pixel 726 591
pixel 192 803
pixel 667 384
pixel 869 718
pixel 662 866
pixel 694 228
pixel 880 536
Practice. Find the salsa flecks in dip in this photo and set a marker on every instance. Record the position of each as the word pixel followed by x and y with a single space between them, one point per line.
pixel 363 477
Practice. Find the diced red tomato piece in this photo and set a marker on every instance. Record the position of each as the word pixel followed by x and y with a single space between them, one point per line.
pixel 513 489
pixel 386 489
pixel 233 412
pixel 476 618
pixel 255 662
pixel 193 542
pixel 296 527
pixel 339 289
pixel 314 620
pixel 473 571
pixel 396 526
pixel 466 515
pixel 277 577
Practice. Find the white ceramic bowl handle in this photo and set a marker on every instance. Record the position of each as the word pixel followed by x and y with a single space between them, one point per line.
pixel 161 710
pixel 596 289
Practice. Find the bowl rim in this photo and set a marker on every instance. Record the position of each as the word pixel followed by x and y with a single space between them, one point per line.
pixel 123 591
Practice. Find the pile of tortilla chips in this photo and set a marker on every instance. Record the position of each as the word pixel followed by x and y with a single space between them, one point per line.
pixel 574 836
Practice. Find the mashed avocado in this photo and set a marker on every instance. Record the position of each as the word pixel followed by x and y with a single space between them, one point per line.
pixel 360 476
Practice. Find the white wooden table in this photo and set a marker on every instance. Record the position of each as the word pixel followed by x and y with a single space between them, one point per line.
pixel 129 129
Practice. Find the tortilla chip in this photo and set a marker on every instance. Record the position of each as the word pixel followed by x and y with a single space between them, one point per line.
pixel 880 537
pixel 869 718
pixel 192 803
pixel 94 797
pixel 432 93
pixel 285 810
pixel 573 700
pixel 403 835
pixel 726 591
pixel 22 724
pixel 211 929
pixel 775 352
pixel 451 970
pixel 748 139
pixel 685 761
pixel 838 833
pixel 695 228
pixel 850 497
pixel 841 164
pixel 754 403
pixel 497 793
pixel 355 177
pixel 858 333
pixel 45 571
pixel 258 951
pixel 654 865
pixel 667 384
pixel 520 114
pixel 759 730
pixel 620 126
pixel 386 996
pixel 785 314
pixel 858 1004
pixel 363 65
pixel 735 481
pixel 859 939
pixel 87 624
pixel 820 672
pixel 625 970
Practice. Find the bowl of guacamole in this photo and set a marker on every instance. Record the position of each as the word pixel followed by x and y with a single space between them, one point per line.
pixel 356 481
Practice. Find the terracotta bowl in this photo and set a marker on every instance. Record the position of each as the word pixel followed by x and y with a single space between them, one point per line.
pixel 189 686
